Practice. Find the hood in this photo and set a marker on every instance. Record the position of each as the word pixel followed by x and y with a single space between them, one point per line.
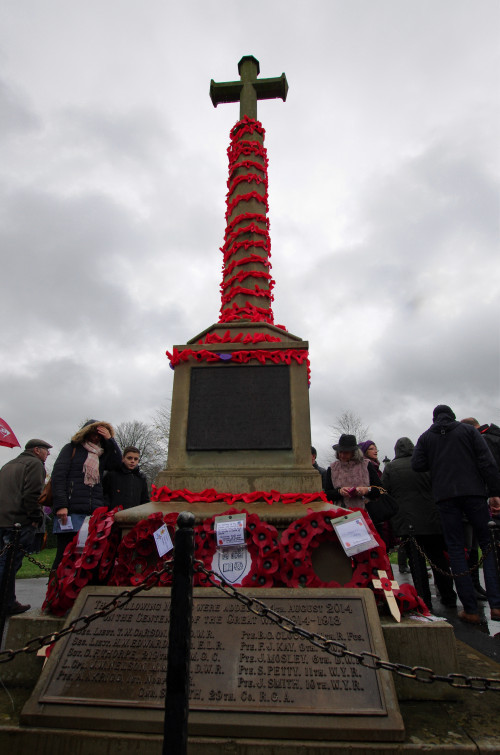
pixel 403 447
pixel 82 432
pixel 444 424
pixel 493 429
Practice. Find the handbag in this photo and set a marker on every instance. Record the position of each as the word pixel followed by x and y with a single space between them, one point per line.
pixel 383 508
pixel 46 495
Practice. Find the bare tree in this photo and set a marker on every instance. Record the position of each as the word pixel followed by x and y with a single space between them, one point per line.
pixel 161 425
pixel 350 423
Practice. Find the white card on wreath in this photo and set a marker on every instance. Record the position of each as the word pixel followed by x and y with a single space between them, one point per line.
pixel 163 540
pixel 354 535
pixel 230 530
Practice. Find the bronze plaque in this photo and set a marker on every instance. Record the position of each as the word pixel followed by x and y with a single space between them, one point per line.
pixel 239 407
pixel 240 663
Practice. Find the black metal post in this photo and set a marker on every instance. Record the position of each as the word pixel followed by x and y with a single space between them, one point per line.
pixel 8 575
pixel 179 640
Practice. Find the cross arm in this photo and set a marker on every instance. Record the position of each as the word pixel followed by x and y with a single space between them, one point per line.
pixel 229 91
pixel 269 89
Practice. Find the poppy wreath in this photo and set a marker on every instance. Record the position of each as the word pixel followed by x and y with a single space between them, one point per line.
pixel 300 539
pixel 92 566
pixel 137 555
pixel 261 540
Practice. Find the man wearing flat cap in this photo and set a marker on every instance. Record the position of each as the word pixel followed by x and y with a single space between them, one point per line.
pixel 21 483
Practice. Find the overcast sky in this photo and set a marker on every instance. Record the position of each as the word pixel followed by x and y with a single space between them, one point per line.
pixel 384 200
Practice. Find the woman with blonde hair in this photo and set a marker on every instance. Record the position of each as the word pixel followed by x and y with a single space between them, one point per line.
pixel 77 479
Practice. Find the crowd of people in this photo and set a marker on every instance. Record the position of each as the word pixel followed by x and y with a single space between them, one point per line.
pixel 446 490
pixel 437 496
pixel 90 471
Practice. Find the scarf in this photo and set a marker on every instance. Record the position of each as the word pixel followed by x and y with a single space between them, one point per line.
pixel 351 474
pixel 91 464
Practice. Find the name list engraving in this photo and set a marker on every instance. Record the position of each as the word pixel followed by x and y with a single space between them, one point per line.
pixel 239 661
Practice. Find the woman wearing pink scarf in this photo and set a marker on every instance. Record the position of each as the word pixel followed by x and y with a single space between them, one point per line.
pixel 77 479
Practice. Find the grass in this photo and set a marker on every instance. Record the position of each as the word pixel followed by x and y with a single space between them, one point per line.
pixel 29 570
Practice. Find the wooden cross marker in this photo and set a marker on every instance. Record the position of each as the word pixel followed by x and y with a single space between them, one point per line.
pixel 249 89
pixel 388 586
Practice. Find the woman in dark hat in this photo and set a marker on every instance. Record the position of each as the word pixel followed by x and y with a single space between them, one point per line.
pixel 77 479
pixel 350 479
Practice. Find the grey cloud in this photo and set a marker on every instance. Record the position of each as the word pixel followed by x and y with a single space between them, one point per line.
pixel 16 114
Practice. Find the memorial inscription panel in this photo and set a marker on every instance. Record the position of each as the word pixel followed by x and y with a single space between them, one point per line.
pixel 244 668
pixel 239 661
pixel 239 408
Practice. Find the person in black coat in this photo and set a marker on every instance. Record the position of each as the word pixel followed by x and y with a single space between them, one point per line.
pixel 77 479
pixel 412 491
pixel 126 486
pixel 463 474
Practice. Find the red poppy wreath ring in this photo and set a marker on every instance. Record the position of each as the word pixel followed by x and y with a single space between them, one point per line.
pixel 300 539
pixel 261 541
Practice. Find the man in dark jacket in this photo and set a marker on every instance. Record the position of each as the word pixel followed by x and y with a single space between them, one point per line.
pixel 412 491
pixel 463 473
pixel 21 483
pixel 491 434
pixel 126 486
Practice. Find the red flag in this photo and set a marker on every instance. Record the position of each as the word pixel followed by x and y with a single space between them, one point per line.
pixel 7 437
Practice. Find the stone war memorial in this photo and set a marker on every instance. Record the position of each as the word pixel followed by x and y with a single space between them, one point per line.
pixel 239 459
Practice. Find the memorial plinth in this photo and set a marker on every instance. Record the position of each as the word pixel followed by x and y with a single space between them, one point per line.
pixel 240 427
pixel 249 677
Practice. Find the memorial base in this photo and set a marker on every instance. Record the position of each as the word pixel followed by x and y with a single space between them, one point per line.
pixel 249 677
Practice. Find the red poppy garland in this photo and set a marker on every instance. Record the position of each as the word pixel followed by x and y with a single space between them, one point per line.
pixel 261 541
pixel 300 539
pixel 92 566
pixel 137 555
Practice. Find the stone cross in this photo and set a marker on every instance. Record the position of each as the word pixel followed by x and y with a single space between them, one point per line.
pixel 249 89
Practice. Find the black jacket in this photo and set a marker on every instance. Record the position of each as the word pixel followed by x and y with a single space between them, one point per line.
pixel 125 487
pixel 68 487
pixel 458 459
pixel 412 491
pixel 491 434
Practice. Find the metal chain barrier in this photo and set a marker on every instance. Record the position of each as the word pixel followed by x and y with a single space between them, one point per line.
pixel 340 650
pixel 5 549
pixel 411 539
pixel 82 622
pixel 257 607
pixel 33 560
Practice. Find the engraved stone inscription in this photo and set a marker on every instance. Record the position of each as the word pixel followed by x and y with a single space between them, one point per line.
pixel 239 661
pixel 239 408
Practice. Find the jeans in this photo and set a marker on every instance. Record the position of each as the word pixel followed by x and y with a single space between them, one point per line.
pixel 26 540
pixel 476 511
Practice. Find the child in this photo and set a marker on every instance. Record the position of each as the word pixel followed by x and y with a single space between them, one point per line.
pixel 126 486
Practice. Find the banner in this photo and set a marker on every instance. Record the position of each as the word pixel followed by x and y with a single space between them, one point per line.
pixel 7 437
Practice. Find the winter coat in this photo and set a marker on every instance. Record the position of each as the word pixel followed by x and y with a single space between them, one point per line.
pixel 412 491
pixel 491 434
pixel 68 487
pixel 458 459
pixel 125 487
pixel 21 483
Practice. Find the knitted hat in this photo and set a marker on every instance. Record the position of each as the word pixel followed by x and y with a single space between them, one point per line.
pixel 365 445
